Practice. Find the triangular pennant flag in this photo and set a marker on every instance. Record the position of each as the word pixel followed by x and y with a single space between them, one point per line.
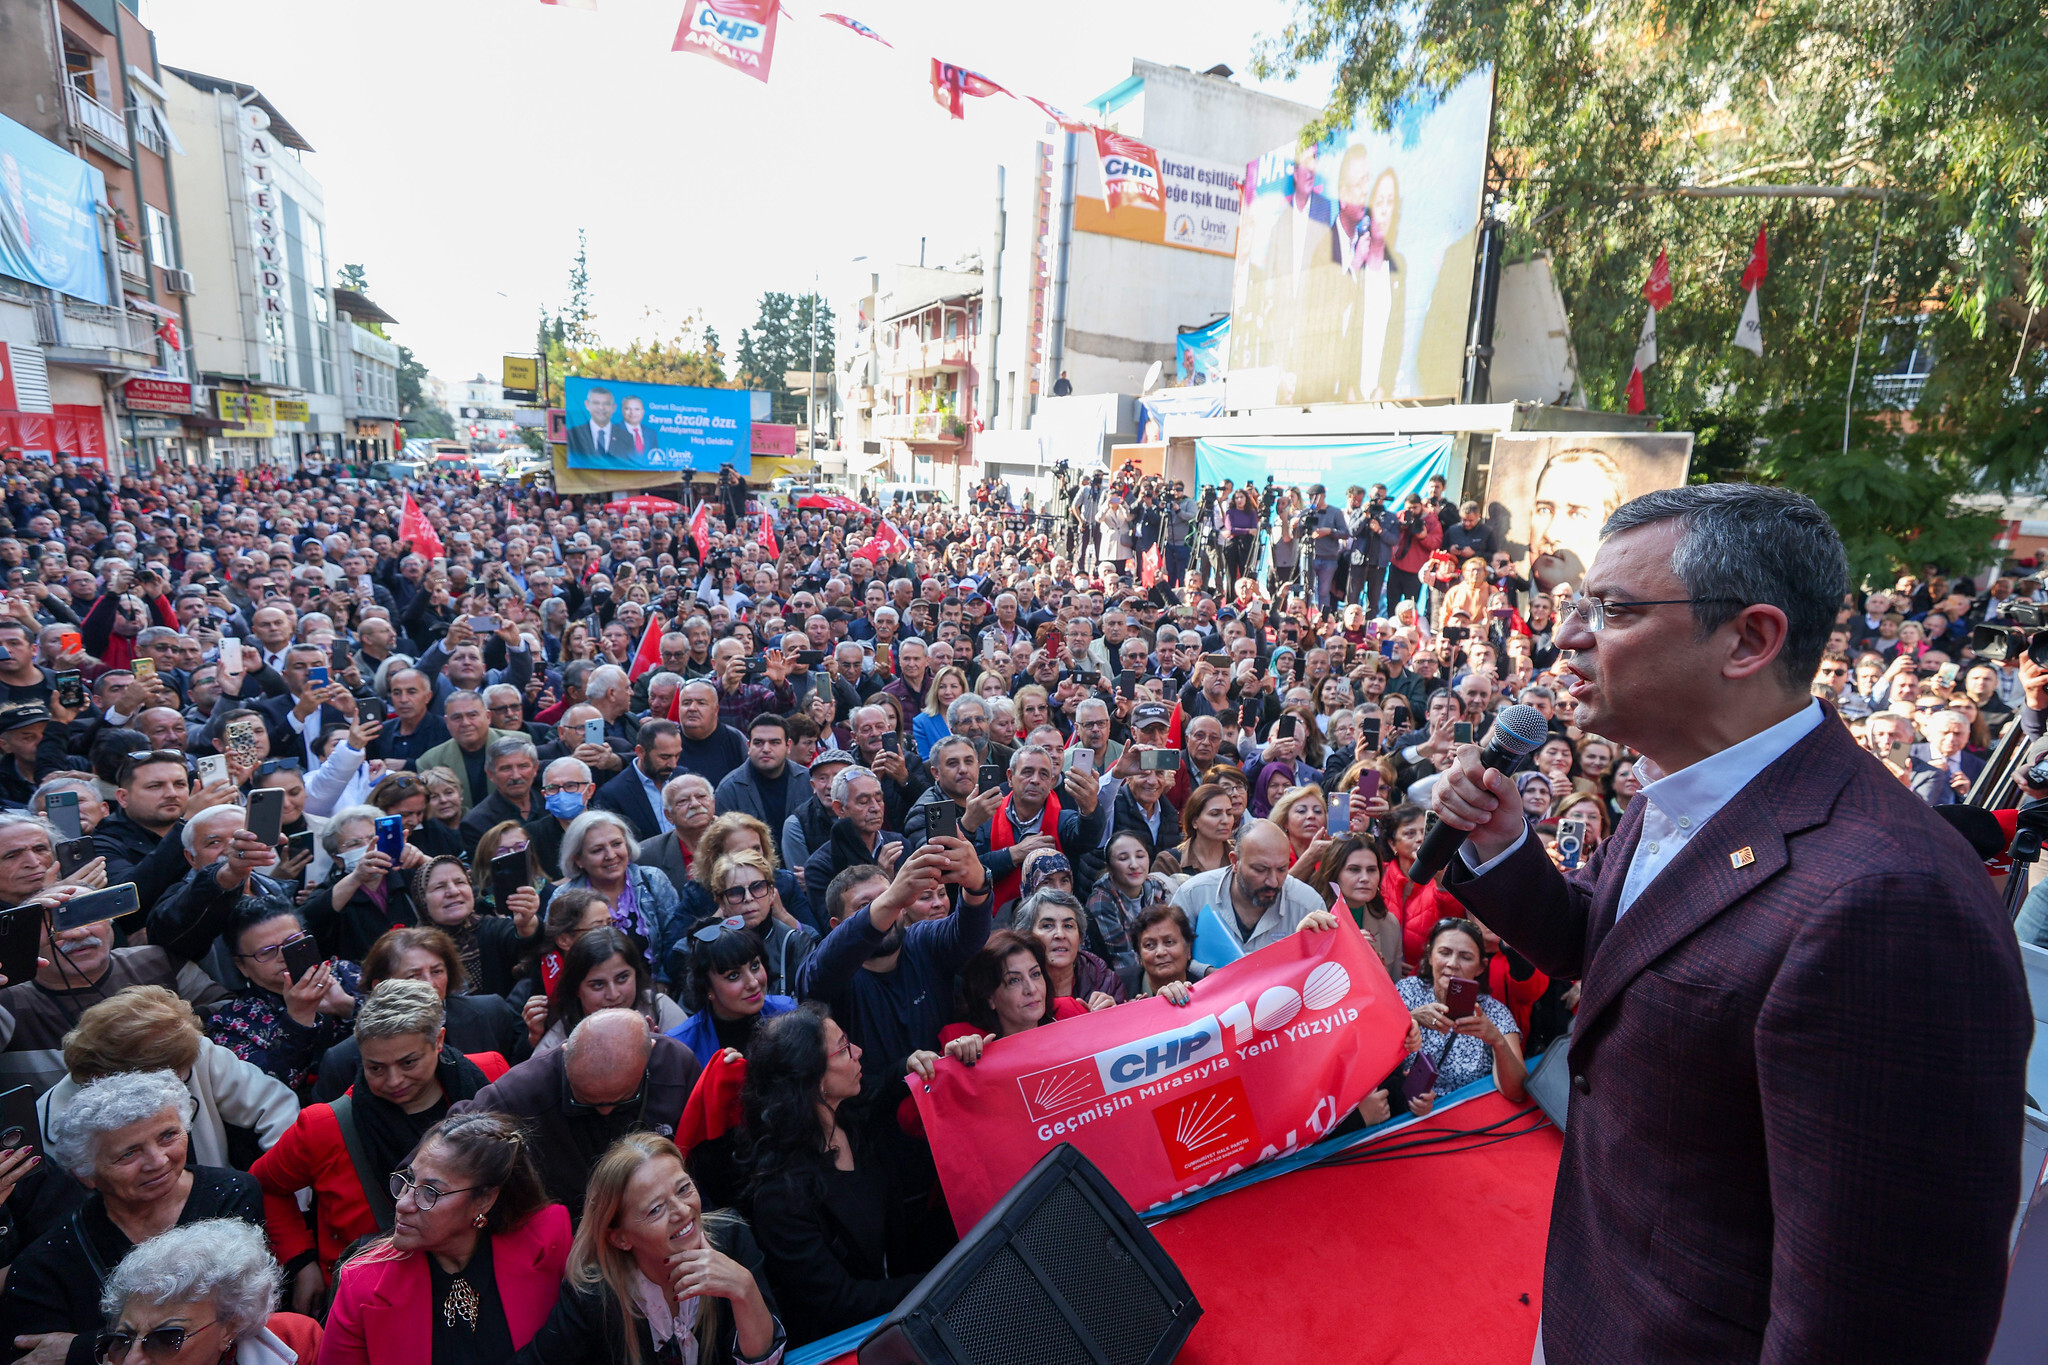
pixel 414 526
pixel 648 655
pixel 1066 121
pixel 1759 262
pixel 846 21
pixel 1657 289
pixel 1749 332
pixel 767 537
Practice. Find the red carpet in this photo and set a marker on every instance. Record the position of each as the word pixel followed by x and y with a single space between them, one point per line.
pixel 1423 1261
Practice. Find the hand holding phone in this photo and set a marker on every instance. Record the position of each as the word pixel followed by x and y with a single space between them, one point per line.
pixel 943 821
pixel 1461 997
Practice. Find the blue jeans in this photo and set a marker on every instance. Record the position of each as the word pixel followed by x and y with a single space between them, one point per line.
pixel 1326 573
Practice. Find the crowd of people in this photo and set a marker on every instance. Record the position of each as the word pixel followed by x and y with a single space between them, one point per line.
pixel 623 876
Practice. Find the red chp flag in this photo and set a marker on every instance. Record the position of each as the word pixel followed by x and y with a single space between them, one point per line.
pixel 648 655
pixel 1130 172
pixel 1656 289
pixel 767 537
pixel 847 21
pixel 700 532
pixel 414 526
pixel 1275 1050
pixel 738 33
pixel 950 83
pixel 1749 332
pixel 886 543
pixel 1067 122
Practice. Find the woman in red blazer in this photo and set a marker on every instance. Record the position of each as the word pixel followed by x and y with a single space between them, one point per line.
pixel 406 1080
pixel 474 1261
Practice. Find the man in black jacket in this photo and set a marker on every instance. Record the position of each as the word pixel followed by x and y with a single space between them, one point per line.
pixel 510 765
pixel 609 1079
pixel 140 841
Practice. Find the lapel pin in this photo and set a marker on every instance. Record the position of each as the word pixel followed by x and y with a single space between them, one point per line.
pixel 1741 857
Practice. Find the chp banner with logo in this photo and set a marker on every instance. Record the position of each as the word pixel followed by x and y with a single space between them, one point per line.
pixel 1130 172
pixel 49 215
pixel 1273 1051
pixel 738 33
pixel 1200 204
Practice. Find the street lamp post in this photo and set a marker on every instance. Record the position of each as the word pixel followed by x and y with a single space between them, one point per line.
pixel 811 387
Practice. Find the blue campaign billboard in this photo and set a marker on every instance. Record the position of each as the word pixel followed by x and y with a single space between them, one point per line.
pixel 616 425
pixel 49 216
pixel 1405 464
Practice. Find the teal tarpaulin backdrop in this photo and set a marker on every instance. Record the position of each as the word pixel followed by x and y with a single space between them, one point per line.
pixel 1403 463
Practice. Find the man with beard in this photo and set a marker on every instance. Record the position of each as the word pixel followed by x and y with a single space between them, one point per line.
pixel 887 967
pixel 1255 901
pixel 635 794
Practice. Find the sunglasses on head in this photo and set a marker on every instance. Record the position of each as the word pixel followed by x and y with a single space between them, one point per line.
pixel 730 924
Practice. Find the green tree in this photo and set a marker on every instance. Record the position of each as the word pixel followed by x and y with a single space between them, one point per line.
pixel 780 341
pixel 421 418
pixel 354 277
pixel 1611 115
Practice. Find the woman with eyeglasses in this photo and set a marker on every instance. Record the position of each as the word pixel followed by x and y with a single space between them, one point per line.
pixel 491 945
pixel 654 1276
pixel 276 1023
pixel 726 984
pixel 745 882
pixel 205 1293
pixel 406 1078
pixel 604 970
pixel 125 1137
pixel 472 1264
pixel 841 1205
pixel 784 921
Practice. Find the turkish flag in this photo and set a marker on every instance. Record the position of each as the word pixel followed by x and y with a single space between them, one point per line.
pixel 699 533
pixel 648 655
pixel 767 537
pixel 414 526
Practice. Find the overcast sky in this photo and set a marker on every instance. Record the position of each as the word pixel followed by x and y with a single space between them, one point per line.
pixel 462 143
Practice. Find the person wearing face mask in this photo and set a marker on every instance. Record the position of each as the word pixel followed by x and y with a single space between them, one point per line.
pixel 368 894
pixel 565 791
pixel 406 1079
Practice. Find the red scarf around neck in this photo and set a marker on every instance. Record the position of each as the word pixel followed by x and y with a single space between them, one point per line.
pixel 1002 834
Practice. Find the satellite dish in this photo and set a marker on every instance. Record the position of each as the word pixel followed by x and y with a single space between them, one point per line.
pixel 1152 376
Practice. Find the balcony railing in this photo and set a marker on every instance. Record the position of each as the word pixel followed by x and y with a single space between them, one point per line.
pixel 927 357
pixel 146 133
pixel 96 119
pixel 93 327
pixel 133 266
pixel 1899 391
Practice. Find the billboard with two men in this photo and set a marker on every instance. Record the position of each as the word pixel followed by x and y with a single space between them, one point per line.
pixel 616 425
pixel 1354 259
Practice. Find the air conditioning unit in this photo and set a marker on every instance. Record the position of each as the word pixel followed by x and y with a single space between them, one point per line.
pixel 177 281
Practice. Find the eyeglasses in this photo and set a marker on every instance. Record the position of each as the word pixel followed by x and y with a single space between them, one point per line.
pixel 425 1196
pixel 557 788
pixel 751 891
pixel 271 765
pixel 575 1104
pixel 845 1049
pixel 159 1343
pixel 1593 610
pixel 269 952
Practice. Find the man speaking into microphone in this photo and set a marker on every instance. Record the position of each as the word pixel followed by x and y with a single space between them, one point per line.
pixel 1798 1063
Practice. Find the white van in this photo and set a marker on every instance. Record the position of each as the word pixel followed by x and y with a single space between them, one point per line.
pixel 923 493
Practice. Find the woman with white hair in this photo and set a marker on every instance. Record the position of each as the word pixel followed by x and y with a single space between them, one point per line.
pixel 202 1294
pixel 601 854
pixel 126 1138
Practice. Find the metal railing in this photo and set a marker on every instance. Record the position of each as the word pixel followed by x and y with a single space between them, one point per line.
pixel 92 326
pixel 146 133
pixel 132 264
pixel 95 118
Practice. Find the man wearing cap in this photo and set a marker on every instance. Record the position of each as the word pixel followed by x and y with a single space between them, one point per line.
pixel 29 757
pixel 809 826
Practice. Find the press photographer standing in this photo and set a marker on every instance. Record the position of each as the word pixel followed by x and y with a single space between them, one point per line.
pixel 1801 1042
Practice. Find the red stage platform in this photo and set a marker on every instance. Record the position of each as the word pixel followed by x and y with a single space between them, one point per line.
pixel 1418 1261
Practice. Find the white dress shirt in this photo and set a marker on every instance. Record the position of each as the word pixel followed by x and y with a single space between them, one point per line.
pixel 1680 804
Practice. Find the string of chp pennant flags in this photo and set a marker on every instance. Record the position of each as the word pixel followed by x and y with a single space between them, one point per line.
pixel 1749 331
pixel 740 34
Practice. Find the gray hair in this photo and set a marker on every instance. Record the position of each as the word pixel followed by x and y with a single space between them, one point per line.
pixel 21 817
pixel 113 1102
pixel 579 830
pixel 1024 751
pixel 1002 706
pixel 664 679
pixel 397 1007
pixel 605 680
pixel 1743 544
pixel 504 690
pixel 842 781
pixel 507 746
pixel 338 823
pixel 1096 702
pixel 567 766
pixel 194 827
pixel 966 701
pixel 1028 910
pixel 220 1261
pixel 674 787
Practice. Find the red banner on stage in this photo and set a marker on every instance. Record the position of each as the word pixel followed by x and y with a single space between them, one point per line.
pixel 1274 1050
pixel 739 33
pixel 1130 172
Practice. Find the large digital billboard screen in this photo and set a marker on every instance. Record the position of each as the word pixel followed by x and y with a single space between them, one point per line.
pixel 616 425
pixel 1354 258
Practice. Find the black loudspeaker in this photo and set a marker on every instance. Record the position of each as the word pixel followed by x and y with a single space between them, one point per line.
pixel 1061 1272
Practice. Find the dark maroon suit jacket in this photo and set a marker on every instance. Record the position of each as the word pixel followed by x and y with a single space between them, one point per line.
pixel 1796 1084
